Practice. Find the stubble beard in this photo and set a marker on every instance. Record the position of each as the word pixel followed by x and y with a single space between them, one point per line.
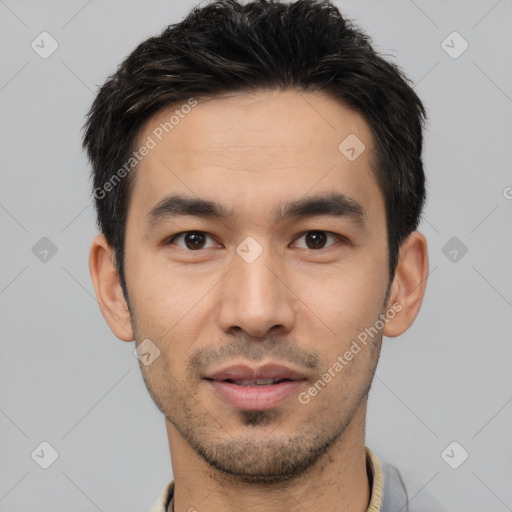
pixel 253 458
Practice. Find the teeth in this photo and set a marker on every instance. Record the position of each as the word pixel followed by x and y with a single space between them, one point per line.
pixel 254 382
pixel 264 382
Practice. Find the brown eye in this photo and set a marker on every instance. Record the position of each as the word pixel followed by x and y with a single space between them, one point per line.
pixel 316 239
pixel 194 240
pixel 191 240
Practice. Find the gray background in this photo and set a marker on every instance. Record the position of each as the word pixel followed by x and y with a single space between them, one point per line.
pixel 65 379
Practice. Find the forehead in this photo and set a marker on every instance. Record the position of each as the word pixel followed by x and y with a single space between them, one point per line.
pixel 273 145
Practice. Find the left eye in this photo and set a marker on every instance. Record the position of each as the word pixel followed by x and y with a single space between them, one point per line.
pixel 192 240
pixel 316 239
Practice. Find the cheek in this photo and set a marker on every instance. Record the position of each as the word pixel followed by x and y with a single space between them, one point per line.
pixel 172 312
pixel 160 296
pixel 349 298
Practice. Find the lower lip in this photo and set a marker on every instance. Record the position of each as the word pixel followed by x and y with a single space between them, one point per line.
pixel 256 398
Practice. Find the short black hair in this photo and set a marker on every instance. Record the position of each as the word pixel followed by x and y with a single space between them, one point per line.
pixel 227 46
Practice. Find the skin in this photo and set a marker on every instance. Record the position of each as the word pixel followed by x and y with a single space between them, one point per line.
pixel 294 304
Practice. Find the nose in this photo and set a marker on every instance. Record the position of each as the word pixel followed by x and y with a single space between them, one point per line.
pixel 255 298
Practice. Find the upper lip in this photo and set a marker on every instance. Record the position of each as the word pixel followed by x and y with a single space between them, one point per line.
pixel 247 372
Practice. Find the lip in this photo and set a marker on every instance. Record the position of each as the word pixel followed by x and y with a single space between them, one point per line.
pixel 256 398
pixel 246 372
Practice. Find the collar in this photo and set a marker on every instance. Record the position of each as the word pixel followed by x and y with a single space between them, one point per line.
pixel 374 471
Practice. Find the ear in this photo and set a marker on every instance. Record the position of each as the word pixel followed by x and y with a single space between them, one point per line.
pixel 108 289
pixel 409 283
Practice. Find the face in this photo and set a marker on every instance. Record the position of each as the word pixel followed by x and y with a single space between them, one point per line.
pixel 256 254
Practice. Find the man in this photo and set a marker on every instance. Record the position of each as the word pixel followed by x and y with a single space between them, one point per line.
pixel 258 181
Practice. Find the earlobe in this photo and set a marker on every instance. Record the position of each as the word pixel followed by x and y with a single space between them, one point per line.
pixel 108 289
pixel 409 283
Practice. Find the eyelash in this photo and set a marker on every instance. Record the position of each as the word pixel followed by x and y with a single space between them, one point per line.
pixel 340 238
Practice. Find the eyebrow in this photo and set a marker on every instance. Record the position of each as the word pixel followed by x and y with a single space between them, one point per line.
pixel 331 204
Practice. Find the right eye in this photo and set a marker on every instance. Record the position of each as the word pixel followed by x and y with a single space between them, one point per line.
pixel 191 240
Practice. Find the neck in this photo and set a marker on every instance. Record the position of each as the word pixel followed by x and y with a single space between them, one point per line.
pixel 337 481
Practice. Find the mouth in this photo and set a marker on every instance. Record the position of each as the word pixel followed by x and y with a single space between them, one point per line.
pixel 255 382
pixel 247 388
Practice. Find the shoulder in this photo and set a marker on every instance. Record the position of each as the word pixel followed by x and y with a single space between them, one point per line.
pixel 162 502
pixel 402 491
